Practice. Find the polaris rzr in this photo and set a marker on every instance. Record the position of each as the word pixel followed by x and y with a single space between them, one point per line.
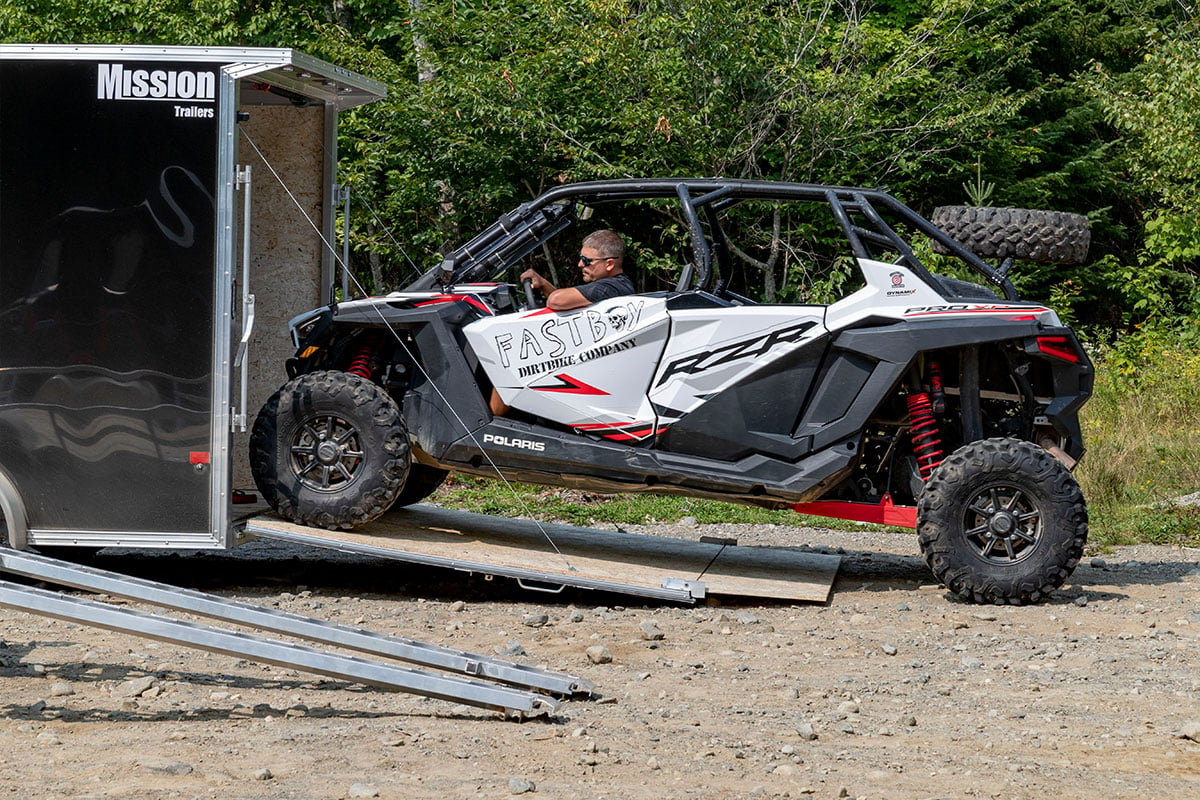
pixel 919 399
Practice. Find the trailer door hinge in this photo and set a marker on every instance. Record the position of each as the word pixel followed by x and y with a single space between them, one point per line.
pixel 242 176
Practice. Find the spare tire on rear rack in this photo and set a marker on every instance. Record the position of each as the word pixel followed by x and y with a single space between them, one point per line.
pixel 1049 237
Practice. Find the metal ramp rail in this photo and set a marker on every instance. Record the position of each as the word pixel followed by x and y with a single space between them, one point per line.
pixel 514 687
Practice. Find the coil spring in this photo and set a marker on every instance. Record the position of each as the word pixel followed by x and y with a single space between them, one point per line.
pixel 361 365
pixel 926 435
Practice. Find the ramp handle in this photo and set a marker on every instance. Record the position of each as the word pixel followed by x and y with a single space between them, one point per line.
pixel 535 588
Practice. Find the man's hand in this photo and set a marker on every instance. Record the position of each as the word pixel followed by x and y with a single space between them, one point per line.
pixel 541 284
pixel 556 299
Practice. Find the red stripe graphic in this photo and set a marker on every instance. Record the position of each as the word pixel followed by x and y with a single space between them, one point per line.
pixel 623 431
pixel 626 435
pixel 569 385
pixel 450 298
pixel 599 426
pixel 1028 314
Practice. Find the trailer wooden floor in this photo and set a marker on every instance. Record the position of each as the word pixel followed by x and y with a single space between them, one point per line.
pixel 634 563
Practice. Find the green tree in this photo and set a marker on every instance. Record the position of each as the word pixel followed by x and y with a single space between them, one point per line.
pixel 1156 105
pixel 1058 151
pixel 494 101
pixel 527 95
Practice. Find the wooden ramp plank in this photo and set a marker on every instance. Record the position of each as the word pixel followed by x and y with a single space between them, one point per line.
pixel 484 543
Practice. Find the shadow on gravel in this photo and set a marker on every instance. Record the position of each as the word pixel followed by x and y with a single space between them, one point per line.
pixel 296 568
pixel 327 574
pixel 314 570
pixel 87 677
pixel 40 711
pixel 1134 573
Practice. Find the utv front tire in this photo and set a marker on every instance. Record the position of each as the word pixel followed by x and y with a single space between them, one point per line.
pixel 329 449
pixel 1002 521
pixel 1049 237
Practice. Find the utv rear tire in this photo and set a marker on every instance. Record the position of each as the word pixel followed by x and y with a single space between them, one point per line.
pixel 421 482
pixel 1002 521
pixel 329 449
pixel 1049 237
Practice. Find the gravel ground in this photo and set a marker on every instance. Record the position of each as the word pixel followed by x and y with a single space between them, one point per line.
pixel 892 690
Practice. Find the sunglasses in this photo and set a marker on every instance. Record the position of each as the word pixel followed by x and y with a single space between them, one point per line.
pixel 587 262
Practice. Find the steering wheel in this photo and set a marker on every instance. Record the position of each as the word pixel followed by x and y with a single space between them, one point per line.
pixel 532 297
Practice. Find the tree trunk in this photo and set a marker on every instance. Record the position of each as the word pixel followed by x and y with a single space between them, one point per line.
pixel 425 70
pixel 376 263
pixel 769 285
pixel 341 14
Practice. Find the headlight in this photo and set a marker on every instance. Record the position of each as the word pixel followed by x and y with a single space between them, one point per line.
pixel 303 325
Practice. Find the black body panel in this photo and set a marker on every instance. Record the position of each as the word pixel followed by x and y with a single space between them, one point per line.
pixel 541 455
pixel 757 415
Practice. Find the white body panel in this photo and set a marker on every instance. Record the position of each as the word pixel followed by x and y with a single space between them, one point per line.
pixel 889 291
pixel 712 349
pixel 893 291
pixel 604 369
pixel 589 368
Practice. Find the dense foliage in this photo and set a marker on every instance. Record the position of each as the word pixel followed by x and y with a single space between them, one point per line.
pixel 1090 106
pixel 1081 106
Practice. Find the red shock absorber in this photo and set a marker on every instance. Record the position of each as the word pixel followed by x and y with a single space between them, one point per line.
pixel 926 436
pixel 937 394
pixel 361 365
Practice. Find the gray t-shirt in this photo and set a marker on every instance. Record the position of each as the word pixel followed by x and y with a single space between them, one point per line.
pixel 606 288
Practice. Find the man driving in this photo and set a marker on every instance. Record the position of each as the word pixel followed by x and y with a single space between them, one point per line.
pixel 601 259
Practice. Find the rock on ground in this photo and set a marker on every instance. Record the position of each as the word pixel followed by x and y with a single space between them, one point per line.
pixel 893 690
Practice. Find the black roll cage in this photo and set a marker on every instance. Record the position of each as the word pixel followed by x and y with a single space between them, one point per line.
pixel 517 233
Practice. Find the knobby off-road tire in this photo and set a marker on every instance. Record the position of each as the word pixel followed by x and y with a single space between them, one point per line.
pixel 330 449
pixel 1002 521
pixel 421 482
pixel 1049 237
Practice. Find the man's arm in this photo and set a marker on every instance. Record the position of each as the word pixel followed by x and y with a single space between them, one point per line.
pixel 556 299
pixel 566 299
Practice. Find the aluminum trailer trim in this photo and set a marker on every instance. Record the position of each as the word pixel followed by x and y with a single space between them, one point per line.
pixel 281 66
pixel 164 540
pixel 225 255
pixel 285 622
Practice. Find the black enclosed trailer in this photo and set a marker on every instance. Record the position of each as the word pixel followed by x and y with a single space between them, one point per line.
pixel 130 349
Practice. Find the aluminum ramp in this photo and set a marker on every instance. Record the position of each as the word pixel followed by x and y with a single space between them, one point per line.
pixel 549 556
pixel 517 688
